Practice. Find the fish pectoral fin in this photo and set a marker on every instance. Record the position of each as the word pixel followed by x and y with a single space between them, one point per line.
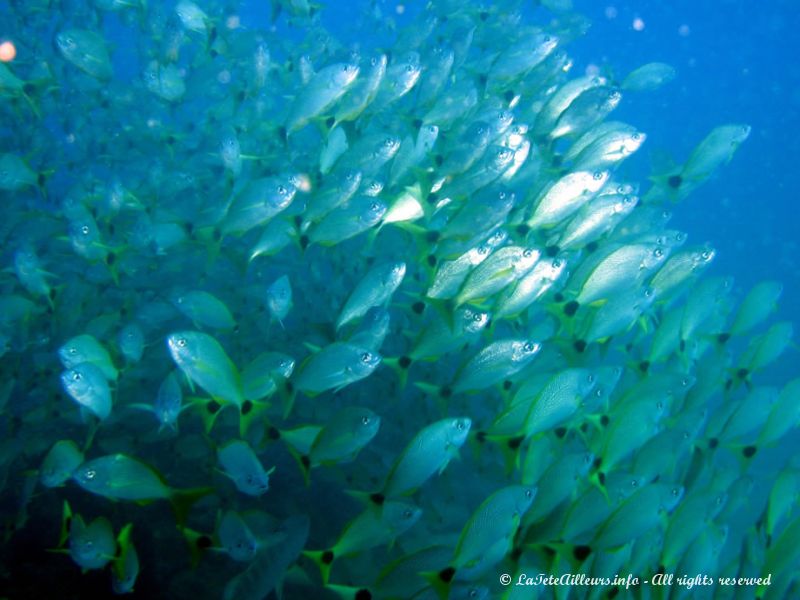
pixel 312 347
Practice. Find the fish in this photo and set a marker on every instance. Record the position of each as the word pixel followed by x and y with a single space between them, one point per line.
pixel 334 367
pixel 428 452
pixel 236 538
pixel 86 384
pixel 325 88
pixel 279 298
pixel 123 477
pixel 86 50
pixel 375 526
pixel 86 348
pixel 242 466
pixel 375 289
pixel 649 77
pixel 91 546
pixel 125 566
pixel 439 188
pixel 204 362
pixel 15 174
pixel 60 463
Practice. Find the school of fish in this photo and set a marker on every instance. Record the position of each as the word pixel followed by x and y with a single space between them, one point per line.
pixel 282 312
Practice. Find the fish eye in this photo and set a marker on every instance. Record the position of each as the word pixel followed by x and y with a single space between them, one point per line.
pixel 366 357
pixel 547 39
pixel 409 69
pixel 181 342
pixel 658 253
pixel 460 425
pixel 636 136
pixel 706 254
pixel 76 376
pixel 590 378
pixel 373 61
pixel 365 420
pixel 90 474
pixel 250 480
pixel 374 206
pixel 85 230
pixel 529 346
pixel 660 405
pixel 529 494
pixel 675 492
pixel 477 317
pixel 408 513
pixel 282 190
pixel 73 351
pixel 634 483
pixel 597 175
pixel 527 253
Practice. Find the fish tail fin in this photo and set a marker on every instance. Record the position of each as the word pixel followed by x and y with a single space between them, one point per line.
pixel 597 479
pixel 400 367
pixel 666 186
pixel 249 412
pixel 209 411
pixel 324 561
pixel 367 498
pixel 440 581
pixel 511 453
pixel 275 11
pixel 509 447
pixel 93 427
pixel 574 554
pixel 33 106
pixel 198 543
pixel 565 313
pixel 183 500
pixel 428 388
pixel 440 393
pixel 288 394
pixel 445 307
pixel 66 522
pixel 211 239
pixel 303 462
